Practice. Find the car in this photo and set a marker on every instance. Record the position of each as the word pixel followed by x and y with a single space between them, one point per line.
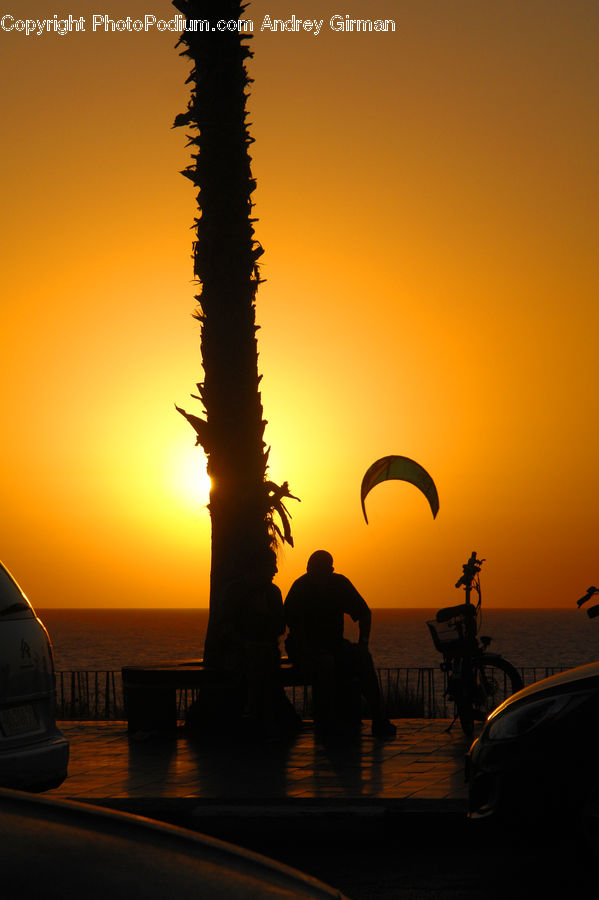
pixel 34 754
pixel 536 758
pixel 60 848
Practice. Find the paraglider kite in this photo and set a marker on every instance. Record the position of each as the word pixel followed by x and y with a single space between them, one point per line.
pixel 403 469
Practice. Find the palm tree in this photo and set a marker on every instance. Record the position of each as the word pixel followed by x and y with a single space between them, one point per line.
pixel 225 254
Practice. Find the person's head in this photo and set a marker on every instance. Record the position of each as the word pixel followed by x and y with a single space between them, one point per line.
pixel 320 565
pixel 261 566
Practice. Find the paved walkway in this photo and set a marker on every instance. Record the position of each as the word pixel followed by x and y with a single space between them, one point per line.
pixel 420 770
pixel 349 815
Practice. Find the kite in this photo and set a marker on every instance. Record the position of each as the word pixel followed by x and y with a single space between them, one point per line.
pixel 400 468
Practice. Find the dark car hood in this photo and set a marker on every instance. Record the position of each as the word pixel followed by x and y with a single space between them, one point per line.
pixel 562 682
pixel 56 849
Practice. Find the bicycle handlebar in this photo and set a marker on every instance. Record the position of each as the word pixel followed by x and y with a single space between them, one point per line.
pixel 470 570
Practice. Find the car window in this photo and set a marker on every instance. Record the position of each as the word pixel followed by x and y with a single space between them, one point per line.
pixel 11 598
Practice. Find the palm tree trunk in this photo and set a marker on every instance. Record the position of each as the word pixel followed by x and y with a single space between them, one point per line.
pixel 225 255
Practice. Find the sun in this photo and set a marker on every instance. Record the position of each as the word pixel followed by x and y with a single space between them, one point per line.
pixel 188 477
pixel 204 483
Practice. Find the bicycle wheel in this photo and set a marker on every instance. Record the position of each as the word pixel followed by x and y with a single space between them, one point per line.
pixel 495 680
pixel 487 684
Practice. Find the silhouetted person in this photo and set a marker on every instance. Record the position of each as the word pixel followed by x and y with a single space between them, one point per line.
pixel 252 625
pixel 314 611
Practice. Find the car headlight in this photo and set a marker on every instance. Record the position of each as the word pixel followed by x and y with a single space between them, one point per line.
pixel 512 722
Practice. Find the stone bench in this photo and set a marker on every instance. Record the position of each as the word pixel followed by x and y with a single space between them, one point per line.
pixel 150 692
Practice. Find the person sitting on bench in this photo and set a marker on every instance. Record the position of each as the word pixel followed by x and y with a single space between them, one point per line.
pixel 314 611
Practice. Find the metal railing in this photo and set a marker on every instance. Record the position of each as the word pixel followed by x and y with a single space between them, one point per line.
pixel 408 692
pixel 84 694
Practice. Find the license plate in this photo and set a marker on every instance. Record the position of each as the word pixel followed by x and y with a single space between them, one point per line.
pixel 18 720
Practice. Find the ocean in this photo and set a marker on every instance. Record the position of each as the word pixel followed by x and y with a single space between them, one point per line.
pixel 105 639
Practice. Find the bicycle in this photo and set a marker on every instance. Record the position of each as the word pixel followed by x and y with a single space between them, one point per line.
pixel 477 681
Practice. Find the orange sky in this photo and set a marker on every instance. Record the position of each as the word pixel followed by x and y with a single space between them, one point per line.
pixel 428 206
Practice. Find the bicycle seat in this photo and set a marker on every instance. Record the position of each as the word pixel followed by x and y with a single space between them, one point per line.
pixel 451 612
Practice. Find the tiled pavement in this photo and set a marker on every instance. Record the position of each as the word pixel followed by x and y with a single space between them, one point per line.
pixel 377 820
pixel 421 769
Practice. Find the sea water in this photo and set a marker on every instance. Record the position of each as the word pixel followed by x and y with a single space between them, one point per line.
pixel 104 639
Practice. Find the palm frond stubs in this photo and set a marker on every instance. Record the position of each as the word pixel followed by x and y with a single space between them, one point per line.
pixel 243 501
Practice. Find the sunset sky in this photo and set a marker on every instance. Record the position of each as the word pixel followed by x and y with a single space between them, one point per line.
pixel 427 201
